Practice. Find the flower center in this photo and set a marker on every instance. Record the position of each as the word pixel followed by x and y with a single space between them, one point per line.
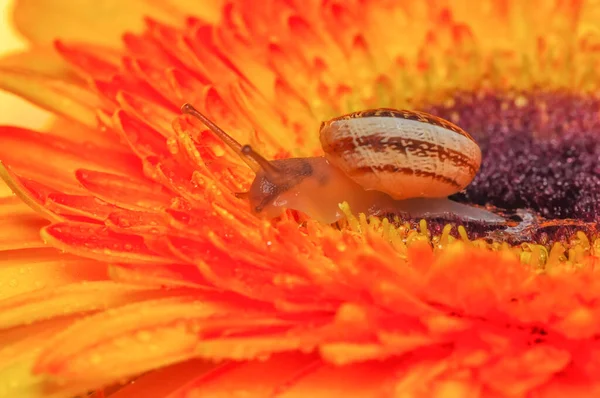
pixel 540 151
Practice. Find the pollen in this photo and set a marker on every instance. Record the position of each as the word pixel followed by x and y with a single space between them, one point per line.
pixel 540 151
pixel 577 252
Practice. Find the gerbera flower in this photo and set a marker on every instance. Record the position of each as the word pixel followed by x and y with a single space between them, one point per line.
pixel 130 267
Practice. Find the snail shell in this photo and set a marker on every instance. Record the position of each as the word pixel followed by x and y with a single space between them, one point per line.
pixel 405 154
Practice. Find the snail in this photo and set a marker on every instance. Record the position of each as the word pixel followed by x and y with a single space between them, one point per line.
pixel 379 161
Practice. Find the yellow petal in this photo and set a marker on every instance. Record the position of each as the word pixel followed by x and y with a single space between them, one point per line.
pixel 69 299
pixel 24 271
pixel 19 350
pixel 116 344
pixel 20 225
pixel 60 96
pixel 43 59
pixel 5 190
pixel 42 21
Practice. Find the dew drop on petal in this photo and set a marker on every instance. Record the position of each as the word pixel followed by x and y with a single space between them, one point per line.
pixel 172 146
pixel 95 359
pixel 144 336
pixel 218 151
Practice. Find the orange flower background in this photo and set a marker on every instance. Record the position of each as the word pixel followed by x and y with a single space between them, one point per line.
pixel 152 279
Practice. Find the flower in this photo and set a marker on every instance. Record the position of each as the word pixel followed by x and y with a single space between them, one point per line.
pixel 151 278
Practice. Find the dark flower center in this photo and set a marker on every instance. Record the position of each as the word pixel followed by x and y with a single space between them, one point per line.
pixel 541 151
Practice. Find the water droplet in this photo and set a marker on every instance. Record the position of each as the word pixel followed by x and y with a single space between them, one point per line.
pixel 218 150
pixel 144 336
pixel 95 359
pixel 172 146
pixel 521 101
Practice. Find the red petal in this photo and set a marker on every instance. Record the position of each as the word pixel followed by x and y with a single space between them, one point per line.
pixel 95 61
pixel 293 375
pixel 79 205
pixel 157 77
pixel 33 197
pixel 126 192
pixel 98 242
pixel 51 159
pixel 163 382
pixel 142 139
pixel 138 222
pixel 156 116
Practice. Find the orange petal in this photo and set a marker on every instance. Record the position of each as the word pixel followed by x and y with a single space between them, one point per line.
pixel 98 242
pixel 570 384
pixel 89 296
pixel 92 61
pixel 162 382
pixel 371 379
pixel 29 195
pixel 273 375
pixel 19 349
pixel 291 376
pixel 20 226
pixel 346 353
pixel 5 190
pixel 43 21
pixel 23 271
pixel 158 275
pixel 41 59
pixel 132 339
pixel 209 12
pixel 102 137
pixel 516 373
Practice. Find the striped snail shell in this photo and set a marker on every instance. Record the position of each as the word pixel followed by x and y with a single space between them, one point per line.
pixel 406 154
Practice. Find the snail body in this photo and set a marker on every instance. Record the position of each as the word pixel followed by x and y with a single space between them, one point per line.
pixel 379 161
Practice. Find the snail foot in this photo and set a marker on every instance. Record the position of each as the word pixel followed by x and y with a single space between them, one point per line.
pixel 518 231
